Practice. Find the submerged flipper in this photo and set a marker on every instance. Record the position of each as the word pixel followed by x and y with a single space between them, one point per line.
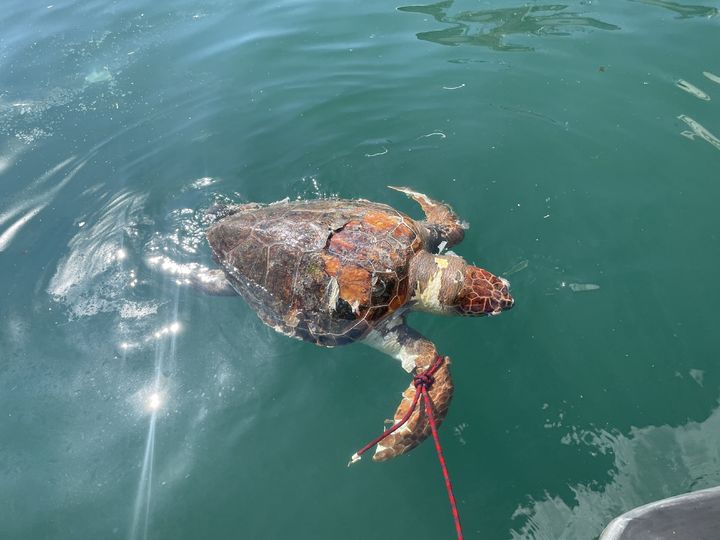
pixel 417 355
pixel 444 227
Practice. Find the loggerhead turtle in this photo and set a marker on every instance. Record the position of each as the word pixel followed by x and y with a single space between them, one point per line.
pixel 333 272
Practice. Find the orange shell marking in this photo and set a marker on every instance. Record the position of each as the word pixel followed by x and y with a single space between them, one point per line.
pixel 354 282
pixel 380 221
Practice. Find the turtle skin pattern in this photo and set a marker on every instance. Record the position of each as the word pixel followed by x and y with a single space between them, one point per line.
pixel 469 302
pixel 325 271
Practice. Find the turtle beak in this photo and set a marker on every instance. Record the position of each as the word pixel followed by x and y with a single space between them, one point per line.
pixel 506 301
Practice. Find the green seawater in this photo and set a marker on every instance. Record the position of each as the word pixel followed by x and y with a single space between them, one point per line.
pixel 581 141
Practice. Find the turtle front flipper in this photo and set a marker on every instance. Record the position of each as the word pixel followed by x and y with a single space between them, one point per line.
pixel 443 226
pixel 417 355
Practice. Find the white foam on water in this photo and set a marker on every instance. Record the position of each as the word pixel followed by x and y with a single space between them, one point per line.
pixel 138 310
pixel 99 76
pixel 91 278
pixel 204 182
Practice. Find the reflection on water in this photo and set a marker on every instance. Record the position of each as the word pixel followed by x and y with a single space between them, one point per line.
pixel 650 463
pixel 152 399
pixel 490 28
pixel 33 199
pixel 712 77
pixel 684 11
pixel 9 155
pixel 698 130
pixel 690 88
pixel 116 133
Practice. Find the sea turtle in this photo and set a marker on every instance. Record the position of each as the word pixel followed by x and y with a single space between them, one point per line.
pixel 334 271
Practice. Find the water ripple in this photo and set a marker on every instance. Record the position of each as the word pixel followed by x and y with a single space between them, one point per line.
pixel 649 463
pixel 490 28
pixel 684 11
pixel 698 130
pixel 33 197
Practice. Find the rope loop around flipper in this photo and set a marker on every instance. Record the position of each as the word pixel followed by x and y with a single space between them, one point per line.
pixel 423 382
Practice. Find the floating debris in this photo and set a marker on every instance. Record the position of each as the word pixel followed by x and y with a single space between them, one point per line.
pixel 699 130
pixel 714 78
pixel 385 151
pixel 103 75
pixel 517 267
pixel 458 432
pixel 692 89
pixel 434 134
pixel 581 287
pixel 454 87
pixel 698 375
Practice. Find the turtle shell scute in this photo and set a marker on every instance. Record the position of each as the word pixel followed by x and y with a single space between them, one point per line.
pixel 324 271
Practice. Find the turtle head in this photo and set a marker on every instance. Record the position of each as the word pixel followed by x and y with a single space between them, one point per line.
pixel 446 284
pixel 482 293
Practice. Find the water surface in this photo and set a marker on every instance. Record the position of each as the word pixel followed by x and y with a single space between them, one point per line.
pixel 581 141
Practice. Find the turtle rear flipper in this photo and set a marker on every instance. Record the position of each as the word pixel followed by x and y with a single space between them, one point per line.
pixel 417 354
pixel 443 226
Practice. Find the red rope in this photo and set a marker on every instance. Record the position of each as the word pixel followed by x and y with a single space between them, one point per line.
pixel 446 475
pixel 423 382
pixel 368 446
